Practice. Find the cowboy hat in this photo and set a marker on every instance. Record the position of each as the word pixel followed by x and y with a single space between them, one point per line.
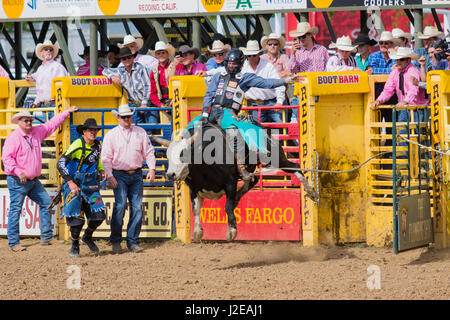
pixel 123 110
pixel 221 37
pixel 399 33
pixel 219 46
pixel 90 123
pixel 185 49
pixel 402 52
pixel 386 36
pixel 162 46
pixel 130 39
pixel 273 36
pixel 429 32
pixel 344 43
pixel 21 114
pixel 302 29
pixel 251 49
pixel 363 38
pixel 87 52
pixel 125 52
pixel 46 44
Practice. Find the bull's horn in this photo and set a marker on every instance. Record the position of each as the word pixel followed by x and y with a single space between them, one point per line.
pixel 192 139
pixel 162 141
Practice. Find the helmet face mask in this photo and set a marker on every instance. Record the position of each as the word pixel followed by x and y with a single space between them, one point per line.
pixel 236 56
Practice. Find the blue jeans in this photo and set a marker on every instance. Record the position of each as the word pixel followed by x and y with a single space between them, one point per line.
pixel 151 116
pixel 17 193
pixel 267 115
pixel 129 186
pixel 405 116
pixel 294 102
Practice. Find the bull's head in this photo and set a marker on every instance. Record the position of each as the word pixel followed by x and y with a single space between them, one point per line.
pixel 178 170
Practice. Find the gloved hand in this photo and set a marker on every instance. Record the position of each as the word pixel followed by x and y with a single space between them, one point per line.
pixel 203 120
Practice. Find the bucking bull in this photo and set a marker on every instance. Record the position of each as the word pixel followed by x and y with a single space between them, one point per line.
pixel 214 176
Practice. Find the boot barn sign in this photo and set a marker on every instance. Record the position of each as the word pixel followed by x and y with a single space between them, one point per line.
pixel 30 221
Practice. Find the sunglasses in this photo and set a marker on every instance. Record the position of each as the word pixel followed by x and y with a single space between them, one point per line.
pixel 251 55
pixel 218 54
pixel 403 59
pixel 385 43
pixel 126 58
pixel 302 37
pixel 275 44
pixel 26 120
pixel 125 117
pixel 48 49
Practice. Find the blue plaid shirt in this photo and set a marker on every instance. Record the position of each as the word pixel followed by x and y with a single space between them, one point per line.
pixel 379 64
pixel 137 85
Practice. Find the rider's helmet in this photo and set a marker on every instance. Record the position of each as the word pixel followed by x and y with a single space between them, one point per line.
pixel 234 55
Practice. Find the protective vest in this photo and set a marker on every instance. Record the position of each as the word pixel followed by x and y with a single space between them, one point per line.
pixel 228 93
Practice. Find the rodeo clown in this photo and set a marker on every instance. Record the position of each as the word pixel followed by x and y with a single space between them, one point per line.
pixel 79 167
pixel 223 101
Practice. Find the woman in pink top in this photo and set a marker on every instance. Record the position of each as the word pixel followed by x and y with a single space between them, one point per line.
pixel 185 62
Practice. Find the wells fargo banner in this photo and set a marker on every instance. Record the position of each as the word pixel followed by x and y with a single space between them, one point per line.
pixel 30 221
pixel 260 215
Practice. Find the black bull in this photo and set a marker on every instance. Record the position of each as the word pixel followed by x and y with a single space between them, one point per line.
pixel 213 180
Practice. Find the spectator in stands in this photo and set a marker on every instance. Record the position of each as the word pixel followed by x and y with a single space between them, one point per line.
pixel 343 60
pixel 124 150
pixel 438 46
pixel 274 43
pixel 159 93
pixel 218 51
pixel 217 36
pixel 379 61
pixel 185 62
pixel 22 160
pixel 85 69
pixel 3 73
pixel 113 56
pixel 400 82
pixel 262 97
pixel 429 36
pixel 307 55
pixel 44 75
pixel 401 38
pixel 364 43
pixel 133 77
pixel 135 45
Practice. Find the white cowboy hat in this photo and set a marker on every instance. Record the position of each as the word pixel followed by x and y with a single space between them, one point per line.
pixel 252 48
pixel 344 43
pixel 161 45
pixel 399 33
pixel 21 114
pixel 302 29
pixel 429 32
pixel 219 46
pixel 130 39
pixel 273 36
pixel 386 36
pixel 402 52
pixel 46 44
pixel 123 110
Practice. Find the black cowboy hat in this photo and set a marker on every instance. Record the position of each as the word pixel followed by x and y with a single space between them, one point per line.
pixel 114 49
pixel 125 52
pixel 86 52
pixel 363 38
pixel 90 123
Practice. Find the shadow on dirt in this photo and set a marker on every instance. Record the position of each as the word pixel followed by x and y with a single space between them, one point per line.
pixel 432 255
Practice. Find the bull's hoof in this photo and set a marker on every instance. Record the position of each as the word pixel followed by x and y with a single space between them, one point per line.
pixel 231 234
pixel 198 235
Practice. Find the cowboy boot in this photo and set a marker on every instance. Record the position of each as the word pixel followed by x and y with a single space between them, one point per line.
pixel 75 249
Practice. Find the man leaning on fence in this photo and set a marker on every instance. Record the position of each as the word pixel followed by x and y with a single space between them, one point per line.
pixel 22 159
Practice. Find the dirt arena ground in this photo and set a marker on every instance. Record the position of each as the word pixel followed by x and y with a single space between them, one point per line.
pixel 173 270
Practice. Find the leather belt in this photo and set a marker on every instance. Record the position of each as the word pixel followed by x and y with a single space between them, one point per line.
pixel 261 102
pixel 133 171
pixel 136 102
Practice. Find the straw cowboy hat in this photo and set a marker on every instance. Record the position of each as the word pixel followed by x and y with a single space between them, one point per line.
pixel 273 36
pixel 46 44
pixel 90 123
pixel 386 36
pixel 130 39
pixel 162 46
pixel 123 110
pixel 402 52
pixel 185 49
pixel 219 46
pixel 252 48
pixel 429 32
pixel 344 43
pixel 399 33
pixel 302 29
pixel 21 114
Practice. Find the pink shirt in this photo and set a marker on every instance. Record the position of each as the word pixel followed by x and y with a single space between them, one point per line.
pixel 280 63
pixel 314 60
pixel 413 94
pixel 126 149
pixel 196 66
pixel 44 76
pixel 3 73
pixel 85 70
pixel 22 153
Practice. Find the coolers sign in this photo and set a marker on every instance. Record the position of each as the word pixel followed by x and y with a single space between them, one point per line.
pixel 320 4
pixel 30 221
pixel 260 215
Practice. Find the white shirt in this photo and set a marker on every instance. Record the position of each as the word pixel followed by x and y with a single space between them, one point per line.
pixel 44 76
pixel 268 71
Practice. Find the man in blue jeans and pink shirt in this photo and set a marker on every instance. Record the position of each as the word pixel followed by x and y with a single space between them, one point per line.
pixel 22 159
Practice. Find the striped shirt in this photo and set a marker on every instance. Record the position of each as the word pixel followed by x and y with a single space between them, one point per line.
pixel 136 84
pixel 314 60
pixel 379 64
pixel 336 63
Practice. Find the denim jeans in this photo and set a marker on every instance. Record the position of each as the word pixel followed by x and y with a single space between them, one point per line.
pixel 405 116
pixel 267 115
pixel 294 114
pixel 148 117
pixel 129 186
pixel 17 193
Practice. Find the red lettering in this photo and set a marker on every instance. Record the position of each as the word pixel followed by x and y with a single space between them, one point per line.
pixel 5 214
pixel 94 81
pixel 28 222
pixel 357 78
pixel 341 79
pixel 37 217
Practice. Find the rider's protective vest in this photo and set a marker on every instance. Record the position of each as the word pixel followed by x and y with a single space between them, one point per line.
pixel 228 93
